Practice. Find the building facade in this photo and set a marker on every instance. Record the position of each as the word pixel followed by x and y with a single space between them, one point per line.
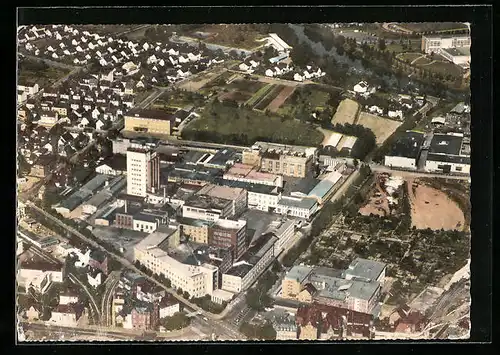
pixel 143 171
pixel 149 121
pixel 436 43
pixel 226 233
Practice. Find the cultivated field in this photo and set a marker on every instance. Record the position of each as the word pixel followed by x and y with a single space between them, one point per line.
pixel 381 127
pixel 240 90
pixel 347 112
pixel 279 100
pixel 259 95
pixel 433 209
pixel 262 104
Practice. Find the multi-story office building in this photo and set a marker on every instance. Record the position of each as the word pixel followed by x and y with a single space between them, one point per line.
pixel 153 252
pixel 225 233
pixel 143 171
pixel 281 159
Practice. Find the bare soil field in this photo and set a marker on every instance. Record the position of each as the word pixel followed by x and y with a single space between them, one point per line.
pixel 347 112
pixel 433 209
pixel 381 127
pixel 281 98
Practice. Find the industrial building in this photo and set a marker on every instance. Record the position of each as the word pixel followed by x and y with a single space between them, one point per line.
pixel 357 288
pixel 149 121
pixel 446 154
pixel 405 152
pixel 213 202
pixel 302 207
pixel 281 159
pixel 255 260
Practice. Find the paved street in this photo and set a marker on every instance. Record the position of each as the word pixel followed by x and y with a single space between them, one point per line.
pixel 404 173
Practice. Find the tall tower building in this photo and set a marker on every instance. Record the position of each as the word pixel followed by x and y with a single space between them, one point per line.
pixel 143 171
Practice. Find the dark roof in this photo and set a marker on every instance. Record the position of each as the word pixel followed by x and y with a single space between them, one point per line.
pixel 45 160
pixel 152 114
pixel 98 255
pixel 117 162
pixel 303 185
pixel 446 144
pixel 41 265
pixel 408 145
pixel 448 158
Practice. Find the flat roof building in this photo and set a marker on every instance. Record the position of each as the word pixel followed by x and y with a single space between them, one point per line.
pixel 405 151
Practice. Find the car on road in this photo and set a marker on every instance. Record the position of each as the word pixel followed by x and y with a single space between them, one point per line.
pixel 205 319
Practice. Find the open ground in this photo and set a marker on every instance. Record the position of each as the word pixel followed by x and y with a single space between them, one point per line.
pixel 230 35
pixel 347 112
pixel 381 127
pixel 31 72
pixel 432 208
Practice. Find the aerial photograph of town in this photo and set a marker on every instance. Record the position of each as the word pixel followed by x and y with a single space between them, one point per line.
pixel 243 182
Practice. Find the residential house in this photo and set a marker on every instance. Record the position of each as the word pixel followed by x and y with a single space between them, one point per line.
pixel 168 306
pixel 66 315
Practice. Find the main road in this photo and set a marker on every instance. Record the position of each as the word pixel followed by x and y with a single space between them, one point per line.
pixel 220 328
pixel 405 173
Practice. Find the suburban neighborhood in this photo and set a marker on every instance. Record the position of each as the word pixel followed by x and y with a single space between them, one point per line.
pixel 243 182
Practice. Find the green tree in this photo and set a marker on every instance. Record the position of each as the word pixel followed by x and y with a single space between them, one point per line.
pixel 381 44
pixel 179 291
pixel 185 295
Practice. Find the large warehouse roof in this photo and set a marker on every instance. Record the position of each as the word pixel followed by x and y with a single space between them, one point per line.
pixel 408 145
pixel 446 144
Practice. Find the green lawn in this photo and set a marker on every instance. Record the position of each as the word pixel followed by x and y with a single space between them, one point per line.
pixel 445 68
pixel 424 61
pixel 409 56
pixel 225 124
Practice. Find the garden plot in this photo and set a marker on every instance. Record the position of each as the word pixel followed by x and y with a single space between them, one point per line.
pixel 262 104
pixel 240 90
pixel 259 95
pixel 279 100
pixel 381 127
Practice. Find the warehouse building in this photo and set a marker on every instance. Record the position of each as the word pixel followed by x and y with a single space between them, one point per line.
pixel 255 260
pixel 149 122
pixel 448 154
pixel 405 152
